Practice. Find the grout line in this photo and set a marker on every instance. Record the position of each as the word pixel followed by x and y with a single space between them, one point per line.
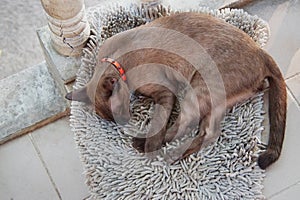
pixel 44 165
pixel 292 76
pixel 293 96
pixel 86 198
pixel 283 190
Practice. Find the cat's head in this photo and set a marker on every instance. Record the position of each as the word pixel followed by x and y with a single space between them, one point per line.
pixel 108 94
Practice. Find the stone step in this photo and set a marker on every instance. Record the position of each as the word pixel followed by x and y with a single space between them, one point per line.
pixel 63 68
pixel 29 99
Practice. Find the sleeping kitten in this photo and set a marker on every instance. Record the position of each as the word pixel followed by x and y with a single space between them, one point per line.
pixel 218 64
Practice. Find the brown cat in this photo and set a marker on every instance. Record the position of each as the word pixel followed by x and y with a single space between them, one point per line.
pixel 216 64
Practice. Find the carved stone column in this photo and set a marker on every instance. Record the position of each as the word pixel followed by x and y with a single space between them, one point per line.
pixel 68 25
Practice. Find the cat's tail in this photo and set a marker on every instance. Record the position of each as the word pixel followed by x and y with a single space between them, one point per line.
pixel 277 113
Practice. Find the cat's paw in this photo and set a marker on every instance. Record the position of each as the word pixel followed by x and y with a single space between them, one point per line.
pixel 147 145
pixel 139 144
pixel 153 144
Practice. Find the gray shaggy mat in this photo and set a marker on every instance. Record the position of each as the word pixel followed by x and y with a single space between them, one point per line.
pixel 115 170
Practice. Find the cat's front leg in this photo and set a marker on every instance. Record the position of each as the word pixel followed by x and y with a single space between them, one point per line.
pixel 164 101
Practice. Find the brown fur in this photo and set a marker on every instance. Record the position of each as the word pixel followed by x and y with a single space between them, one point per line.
pixel 241 65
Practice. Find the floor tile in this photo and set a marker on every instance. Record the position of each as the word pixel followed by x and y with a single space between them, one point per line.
pixel 294 67
pixel 291 193
pixel 22 175
pixel 284 43
pixel 285 172
pixel 294 86
pixel 285 40
pixel 57 148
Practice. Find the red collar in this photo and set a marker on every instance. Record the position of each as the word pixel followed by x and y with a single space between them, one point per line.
pixel 117 65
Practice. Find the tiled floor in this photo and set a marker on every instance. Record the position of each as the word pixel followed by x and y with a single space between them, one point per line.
pixel 42 165
pixel 283 178
pixel 45 164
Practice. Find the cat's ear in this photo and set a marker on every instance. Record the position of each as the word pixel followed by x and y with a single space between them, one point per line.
pixel 78 95
pixel 110 83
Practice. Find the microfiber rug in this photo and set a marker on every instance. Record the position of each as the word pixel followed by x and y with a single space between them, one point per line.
pixel 226 169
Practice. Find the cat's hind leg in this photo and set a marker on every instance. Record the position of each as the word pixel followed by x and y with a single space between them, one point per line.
pixel 209 128
pixel 209 131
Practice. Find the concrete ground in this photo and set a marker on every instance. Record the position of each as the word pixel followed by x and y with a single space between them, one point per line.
pixel 45 163
pixel 19 44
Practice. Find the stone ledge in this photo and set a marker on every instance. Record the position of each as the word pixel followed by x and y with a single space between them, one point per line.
pixel 29 99
pixel 64 68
